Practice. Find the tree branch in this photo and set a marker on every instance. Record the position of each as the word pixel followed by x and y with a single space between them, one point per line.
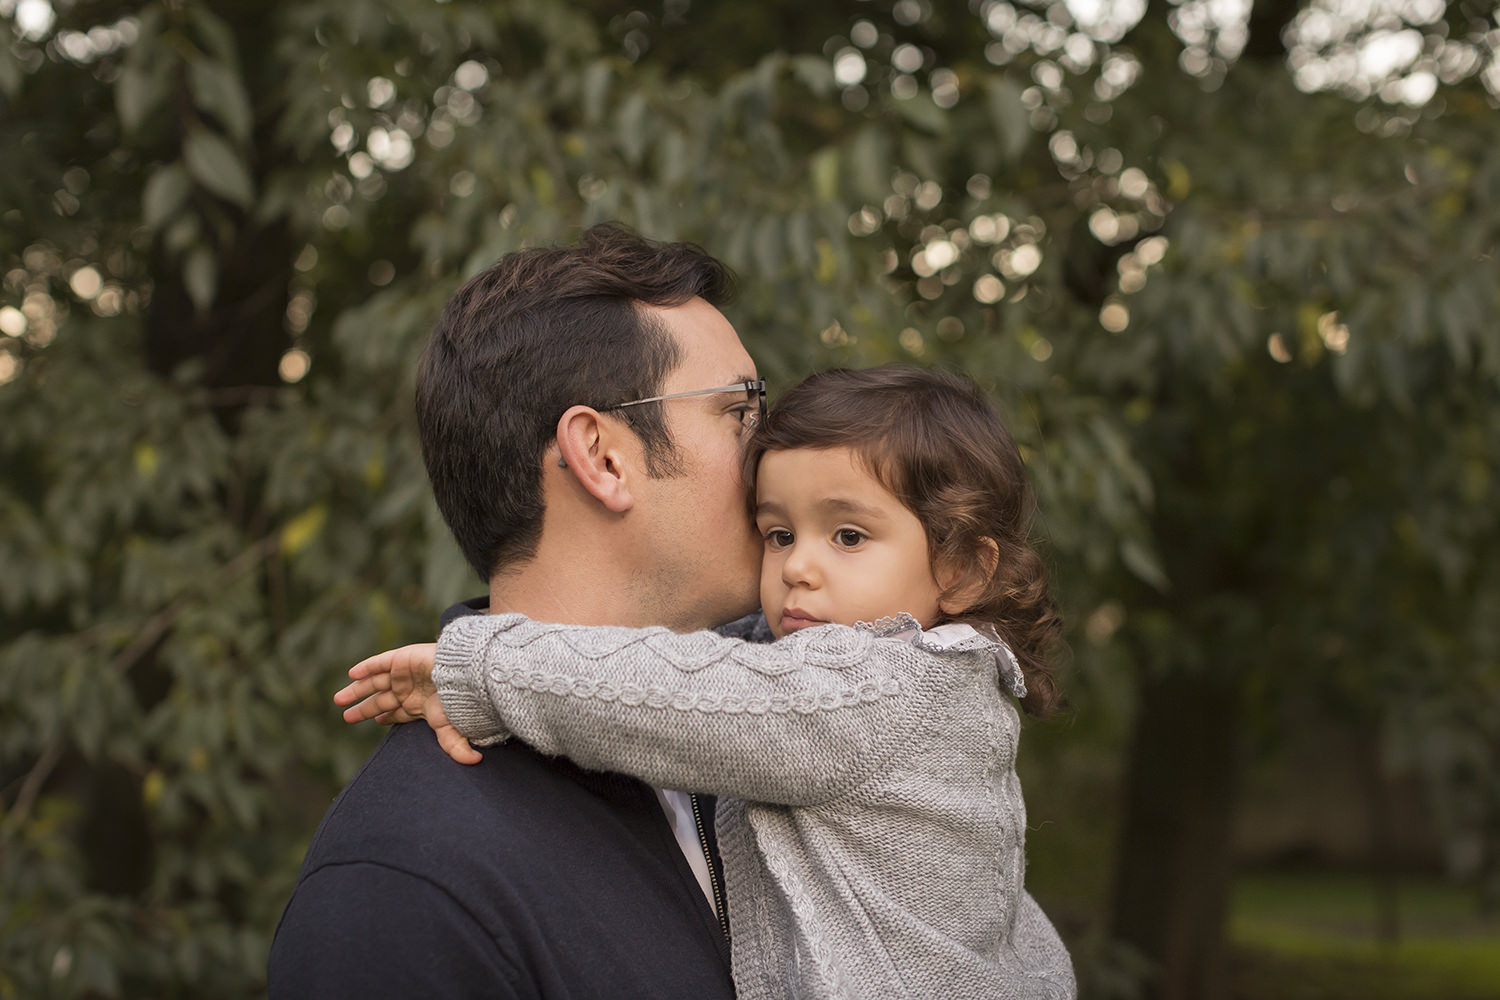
pixel 31 788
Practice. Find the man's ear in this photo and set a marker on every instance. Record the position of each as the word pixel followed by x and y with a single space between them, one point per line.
pixel 591 450
pixel 969 580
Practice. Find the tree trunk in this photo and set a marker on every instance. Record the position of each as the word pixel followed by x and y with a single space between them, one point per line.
pixel 1174 868
pixel 240 338
pixel 1383 850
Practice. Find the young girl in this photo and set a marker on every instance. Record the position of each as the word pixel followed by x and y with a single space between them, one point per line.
pixel 873 831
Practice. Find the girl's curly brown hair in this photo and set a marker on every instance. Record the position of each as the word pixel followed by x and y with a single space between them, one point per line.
pixel 937 443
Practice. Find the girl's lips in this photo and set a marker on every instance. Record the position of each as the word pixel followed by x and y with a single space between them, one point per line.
pixel 792 620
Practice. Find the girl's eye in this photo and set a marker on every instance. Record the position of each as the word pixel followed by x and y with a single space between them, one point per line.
pixel 778 538
pixel 848 537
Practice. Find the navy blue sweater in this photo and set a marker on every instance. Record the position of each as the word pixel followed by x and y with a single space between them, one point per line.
pixel 522 876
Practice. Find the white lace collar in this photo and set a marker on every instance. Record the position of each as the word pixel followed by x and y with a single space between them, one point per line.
pixel 953 637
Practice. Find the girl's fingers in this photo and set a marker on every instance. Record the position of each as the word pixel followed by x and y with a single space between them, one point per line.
pixel 380 663
pixel 456 746
pixel 376 705
pixel 352 692
pixel 391 659
pixel 371 693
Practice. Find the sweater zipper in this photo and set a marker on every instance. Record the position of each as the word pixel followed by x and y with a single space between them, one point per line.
pixel 713 879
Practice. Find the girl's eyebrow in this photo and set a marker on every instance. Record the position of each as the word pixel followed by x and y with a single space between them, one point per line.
pixel 832 505
pixel 768 507
pixel 840 505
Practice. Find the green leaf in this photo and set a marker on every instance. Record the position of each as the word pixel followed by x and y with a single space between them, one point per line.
pixel 181 234
pixel 672 155
pixel 920 112
pixel 1009 117
pixel 199 276
pixel 768 248
pixel 1143 563
pixel 214 163
pixel 596 84
pixel 815 73
pixel 10 73
pixel 164 195
pixel 1460 317
pixel 824 170
pixel 444 575
pixel 136 93
pixel 1414 321
pixel 922 155
pixel 630 130
pixel 800 241
pixel 218 90
pixel 869 162
pixel 215 33
pixel 1395 374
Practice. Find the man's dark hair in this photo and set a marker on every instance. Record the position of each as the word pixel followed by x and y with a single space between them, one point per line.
pixel 537 332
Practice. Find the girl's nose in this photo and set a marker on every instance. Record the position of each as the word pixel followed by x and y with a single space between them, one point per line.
pixel 799 568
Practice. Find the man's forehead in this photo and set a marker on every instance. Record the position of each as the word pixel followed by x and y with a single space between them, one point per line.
pixel 708 346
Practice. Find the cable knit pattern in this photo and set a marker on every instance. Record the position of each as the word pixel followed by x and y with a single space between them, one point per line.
pixel 870 819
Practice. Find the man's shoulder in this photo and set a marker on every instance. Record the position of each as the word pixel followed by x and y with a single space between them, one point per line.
pixel 410 794
pixel 526 862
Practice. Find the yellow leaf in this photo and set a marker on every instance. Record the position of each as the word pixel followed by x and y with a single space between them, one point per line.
pixel 542 186
pixel 1309 343
pixel 1179 181
pixel 152 787
pixel 387 623
pixel 147 458
pixel 825 174
pixel 303 528
pixel 827 262
pixel 374 472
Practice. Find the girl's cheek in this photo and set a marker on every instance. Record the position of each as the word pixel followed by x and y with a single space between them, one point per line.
pixel 769 574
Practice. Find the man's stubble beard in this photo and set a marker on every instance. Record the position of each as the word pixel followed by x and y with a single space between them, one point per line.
pixel 708 585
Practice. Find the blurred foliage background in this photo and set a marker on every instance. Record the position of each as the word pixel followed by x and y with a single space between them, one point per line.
pixel 1230 266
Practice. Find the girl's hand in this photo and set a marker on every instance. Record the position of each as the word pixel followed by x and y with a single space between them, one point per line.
pixel 396 686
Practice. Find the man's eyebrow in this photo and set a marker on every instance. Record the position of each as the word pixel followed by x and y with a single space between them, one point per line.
pixel 734 382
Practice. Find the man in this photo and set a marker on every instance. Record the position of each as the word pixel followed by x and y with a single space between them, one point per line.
pixel 582 413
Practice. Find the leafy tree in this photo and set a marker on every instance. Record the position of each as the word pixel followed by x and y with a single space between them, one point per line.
pixel 1234 280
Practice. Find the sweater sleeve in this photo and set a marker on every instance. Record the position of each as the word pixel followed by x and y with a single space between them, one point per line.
pixel 797 721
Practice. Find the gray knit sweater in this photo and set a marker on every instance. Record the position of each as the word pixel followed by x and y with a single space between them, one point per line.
pixel 870 819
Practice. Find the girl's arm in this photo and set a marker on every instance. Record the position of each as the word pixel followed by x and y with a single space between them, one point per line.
pixel 796 721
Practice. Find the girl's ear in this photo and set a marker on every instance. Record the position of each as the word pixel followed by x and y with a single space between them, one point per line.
pixel 591 451
pixel 963 582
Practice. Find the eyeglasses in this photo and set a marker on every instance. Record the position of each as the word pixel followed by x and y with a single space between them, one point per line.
pixel 753 390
